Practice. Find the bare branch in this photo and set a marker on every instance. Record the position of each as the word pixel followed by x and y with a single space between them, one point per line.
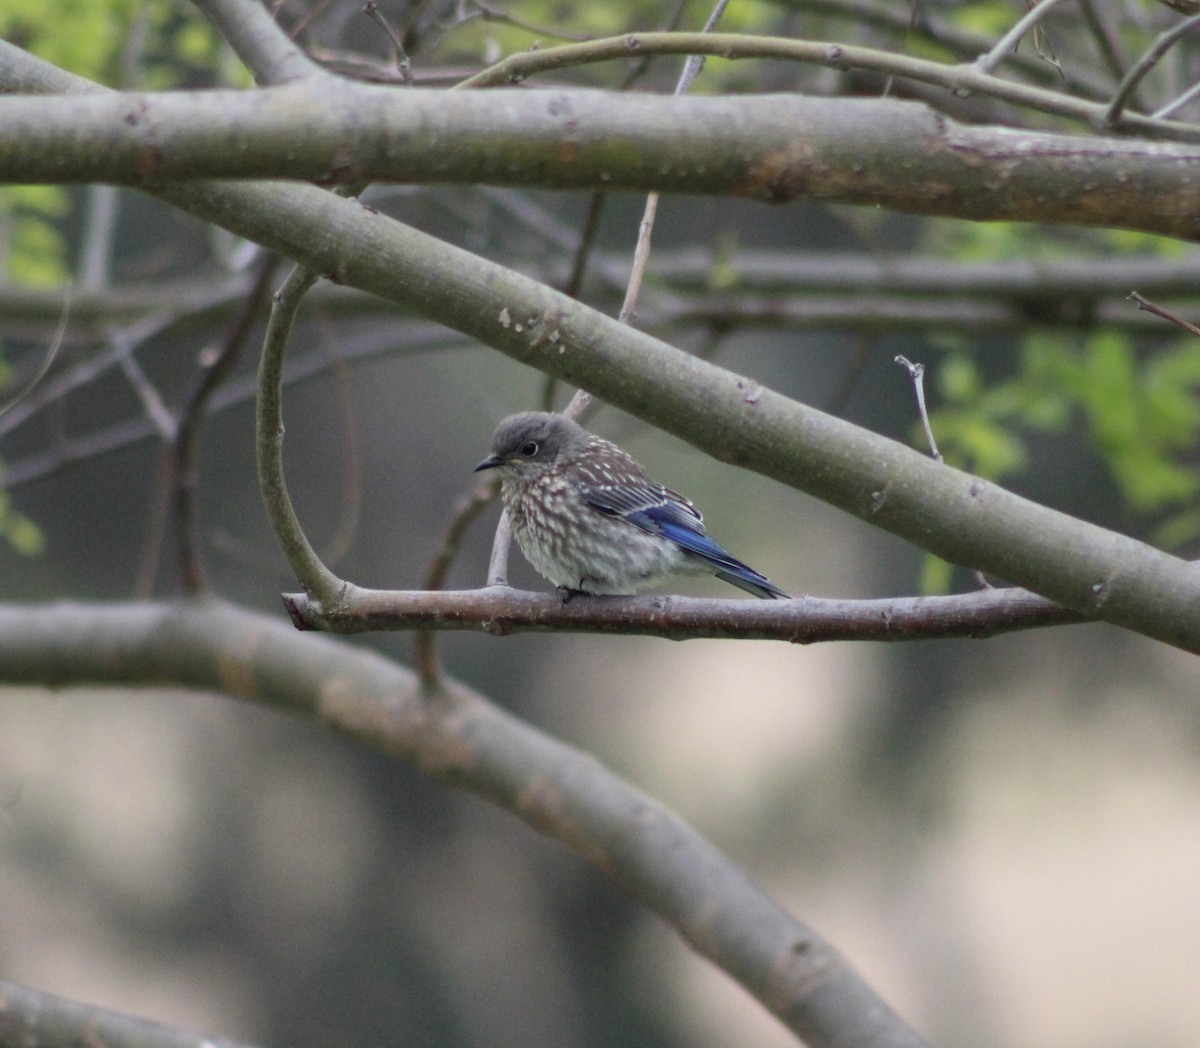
pixel 924 20
pixel 1114 115
pixel 1165 314
pixel 961 79
pixel 916 372
pixel 299 368
pixel 734 146
pixel 804 620
pixel 47 360
pixel 399 60
pixel 302 558
pixel 182 467
pixel 455 736
pixel 986 63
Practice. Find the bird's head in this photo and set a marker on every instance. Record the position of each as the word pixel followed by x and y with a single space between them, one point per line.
pixel 530 443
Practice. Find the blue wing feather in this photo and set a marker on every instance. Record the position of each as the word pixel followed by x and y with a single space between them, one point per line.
pixel 660 511
pixel 689 534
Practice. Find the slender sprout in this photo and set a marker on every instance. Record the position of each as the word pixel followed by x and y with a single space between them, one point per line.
pixel 494 14
pixel 1174 106
pixel 147 393
pixel 399 60
pixel 316 579
pixel 917 373
pixel 987 62
pixel 182 459
pixel 1107 42
pixel 463 514
pixel 963 79
pixel 1166 314
pixel 47 361
pixel 1151 58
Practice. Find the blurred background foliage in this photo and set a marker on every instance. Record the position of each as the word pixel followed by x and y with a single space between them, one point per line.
pixel 974 824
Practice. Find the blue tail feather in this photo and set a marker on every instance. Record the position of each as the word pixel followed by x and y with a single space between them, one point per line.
pixel 698 543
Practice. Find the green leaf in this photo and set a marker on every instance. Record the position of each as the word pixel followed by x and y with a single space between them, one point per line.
pixel 936 575
pixel 24 536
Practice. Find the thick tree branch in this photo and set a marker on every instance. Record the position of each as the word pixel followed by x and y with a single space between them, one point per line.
pixel 773 148
pixel 454 735
pixel 806 620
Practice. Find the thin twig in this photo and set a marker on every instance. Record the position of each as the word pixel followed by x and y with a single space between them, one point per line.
pixel 462 515
pixel 305 564
pixel 964 78
pixel 1166 314
pixel 145 390
pixel 494 14
pixel 987 62
pixel 965 45
pixel 917 373
pixel 641 251
pixel 1177 104
pixel 1107 42
pixel 1151 58
pixel 497 574
pixel 43 464
pixel 26 387
pixel 182 458
pixel 399 60
pixel 641 255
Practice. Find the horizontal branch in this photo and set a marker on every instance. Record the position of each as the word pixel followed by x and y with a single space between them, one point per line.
pixel 1085 276
pixel 801 290
pixel 774 148
pixel 455 736
pixel 805 620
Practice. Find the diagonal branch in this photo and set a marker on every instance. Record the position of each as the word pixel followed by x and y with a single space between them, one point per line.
pixel 458 738
pixel 32 1019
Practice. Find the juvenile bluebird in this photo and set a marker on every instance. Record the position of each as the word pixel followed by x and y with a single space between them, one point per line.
pixel 588 518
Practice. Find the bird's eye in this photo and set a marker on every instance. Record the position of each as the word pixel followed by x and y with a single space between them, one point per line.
pixel 529 448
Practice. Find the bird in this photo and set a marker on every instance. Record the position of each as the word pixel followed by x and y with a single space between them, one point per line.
pixel 589 519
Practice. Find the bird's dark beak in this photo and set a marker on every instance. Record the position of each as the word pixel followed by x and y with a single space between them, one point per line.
pixel 491 462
